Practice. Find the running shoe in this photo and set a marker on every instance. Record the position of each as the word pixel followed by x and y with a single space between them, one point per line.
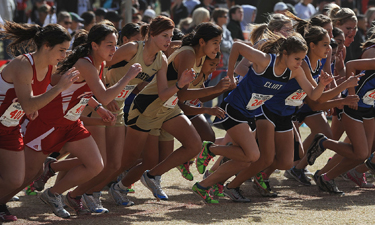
pixel 185 171
pixel 119 196
pixel 345 177
pixel 330 186
pixel 300 176
pixel 93 203
pixel 235 194
pixel 30 190
pixel 5 215
pixel 263 186
pixel 288 175
pixel 47 173
pixel 359 179
pixel 204 157
pixel 55 203
pixel 370 164
pixel 217 190
pixel 76 205
pixel 206 174
pixel 315 150
pixel 204 194
pixel 308 173
pixel 153 184
pixel 14 198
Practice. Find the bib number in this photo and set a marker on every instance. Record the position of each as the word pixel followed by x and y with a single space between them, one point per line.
pixel 12 115
pixel 296 99
pixel 369 98
pixel 125 92
pixel 74 113
pixel 171 102
pixel 195 102
pixel 257 100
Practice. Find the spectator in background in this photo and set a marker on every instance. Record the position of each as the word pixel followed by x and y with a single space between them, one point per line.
pixel 185 24
pixel 205 4
pixel 200 15
pixel 179 11
pixel 100 14
pixel 76 23
pixel 305 9
pixel 280 7
pixel 370 15
pixel 249 15
pixel 136 16
pixel 321 4
pixel 89 20
pixel 64 19
pixel 114 17
pixel 190 5
pixel 51 17
pixel 354 51
pixel 234 25
pixel 148 15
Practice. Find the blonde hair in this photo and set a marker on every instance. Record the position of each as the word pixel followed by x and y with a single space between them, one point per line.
pixel 199 15
pixel 341 15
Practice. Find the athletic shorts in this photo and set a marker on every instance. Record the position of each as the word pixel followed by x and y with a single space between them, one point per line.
pixel 281 123
pixel 357 115
pixel 140 122
pixel 11 140
pixel 300 116
pixel 232 118
pixel 45 138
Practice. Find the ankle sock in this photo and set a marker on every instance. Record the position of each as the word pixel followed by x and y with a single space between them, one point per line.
pixel 325 177
pixel 201 187
pixel 150 176
pixel 321 142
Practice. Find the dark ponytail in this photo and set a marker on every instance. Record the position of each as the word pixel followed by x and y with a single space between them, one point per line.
pixel 293 44
pixel 97 34
pixel 31 37
pixel 207 31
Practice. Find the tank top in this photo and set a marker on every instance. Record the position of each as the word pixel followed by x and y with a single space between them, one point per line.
pixel 10 109
pixel 257 88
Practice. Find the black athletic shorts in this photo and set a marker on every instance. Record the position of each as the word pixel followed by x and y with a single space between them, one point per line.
pixel 232 118
pixel 281 123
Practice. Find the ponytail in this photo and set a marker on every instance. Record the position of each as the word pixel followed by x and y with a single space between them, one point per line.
pixel 144 30
pixel 292 44
pixel 31 37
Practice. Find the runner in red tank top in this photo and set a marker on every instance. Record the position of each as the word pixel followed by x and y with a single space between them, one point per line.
pixel 23 85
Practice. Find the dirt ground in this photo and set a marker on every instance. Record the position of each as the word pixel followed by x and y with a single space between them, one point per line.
pixel 296 204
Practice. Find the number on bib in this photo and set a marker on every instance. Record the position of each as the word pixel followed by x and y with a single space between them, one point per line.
pixel 171 102
pixel 125 92
pixel 195 102
pixel 296 99
pixel 12 116
pixel 369 97
pixel 257 100
pixel 74 113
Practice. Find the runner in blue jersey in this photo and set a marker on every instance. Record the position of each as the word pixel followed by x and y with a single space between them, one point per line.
pixel 268 74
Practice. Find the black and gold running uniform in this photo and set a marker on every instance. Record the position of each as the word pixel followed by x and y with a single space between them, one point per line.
pixel 118 70
pixel 148 112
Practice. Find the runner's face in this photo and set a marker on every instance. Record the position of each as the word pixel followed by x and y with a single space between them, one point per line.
pixel 209 65
pixel 340 39
pixel 322 48
pixel 57 53
pixel 294 60
pixel 107 47
pixel 329 29
pixel 163 40
pixel 212 47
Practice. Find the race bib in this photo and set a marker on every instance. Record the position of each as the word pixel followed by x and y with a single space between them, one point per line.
pixel 369 98
pixel 74 113
pixel 296 99
pixel 125 92
pixel 171 102
pixel 195 102
pixel 257 100
pixel 12 116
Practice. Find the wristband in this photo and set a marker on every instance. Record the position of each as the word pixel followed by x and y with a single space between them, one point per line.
pixel 97 107
pixel 178 86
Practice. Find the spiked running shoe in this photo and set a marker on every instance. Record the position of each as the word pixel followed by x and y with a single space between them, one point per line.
pixel 47 173
pixel 119 196
pixel 235 194
pixel 204 194
pixel 262 186
pixel 300 176
pixel 315 150
pixel 93 203
pixel 204 157
pixel 76 205
pixel 330 186
pixel 55 203
pixel 154 186
pixel 185 171
pixel 5 215
pixel 217 190
pixel 359 179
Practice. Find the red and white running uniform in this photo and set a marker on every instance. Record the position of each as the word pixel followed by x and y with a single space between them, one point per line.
pixel 58 122
pixel 11 113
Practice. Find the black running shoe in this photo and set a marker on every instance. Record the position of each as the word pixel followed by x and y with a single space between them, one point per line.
pixel 331 186
pixel 369 164
pixel 314 151
pixel 299 175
